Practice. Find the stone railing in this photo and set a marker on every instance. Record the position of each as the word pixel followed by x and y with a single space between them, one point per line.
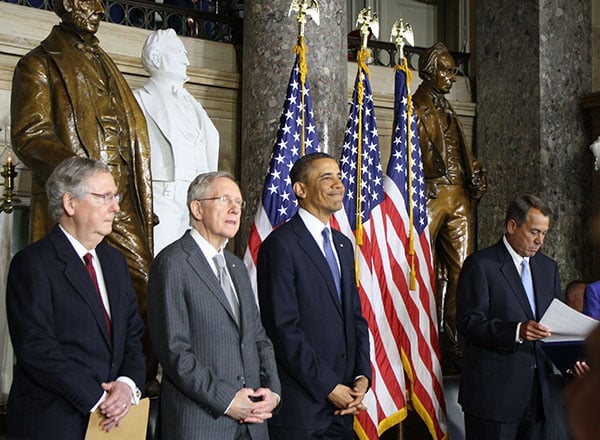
pixel 386 54
pixel 149 15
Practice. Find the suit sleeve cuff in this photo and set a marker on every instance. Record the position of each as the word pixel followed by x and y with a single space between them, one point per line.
pixel 136 394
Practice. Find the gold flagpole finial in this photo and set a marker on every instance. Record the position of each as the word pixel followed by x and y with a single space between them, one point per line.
pixel 367 19
pixel 402 34
pixel 305 9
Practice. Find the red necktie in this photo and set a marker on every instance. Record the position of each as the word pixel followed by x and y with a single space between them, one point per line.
pixel 90 268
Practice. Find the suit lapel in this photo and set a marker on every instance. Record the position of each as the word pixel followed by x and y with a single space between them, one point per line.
pixel 307 243
pixel 202 268
pixel 510 273
pixel 113 289
pixel 79 278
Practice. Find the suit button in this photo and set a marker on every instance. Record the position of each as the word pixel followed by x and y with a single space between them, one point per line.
pixel 344 356
pixel 241 378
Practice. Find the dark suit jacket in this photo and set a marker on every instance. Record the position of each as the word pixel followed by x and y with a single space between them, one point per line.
pixel 497 371
pixel 205 356
pixel 60 338
pixel 318 342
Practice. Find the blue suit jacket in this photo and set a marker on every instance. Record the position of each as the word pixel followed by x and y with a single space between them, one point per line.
pixel 497 372
pixel 318 342
pixel 591 300
pixel 60 338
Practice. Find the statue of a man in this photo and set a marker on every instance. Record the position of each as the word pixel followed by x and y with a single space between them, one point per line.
pixel 183 140
pixel 69 98
pixel 454 181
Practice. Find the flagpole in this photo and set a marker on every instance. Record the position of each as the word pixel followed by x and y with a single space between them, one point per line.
pixel 403 33
pixel 305 9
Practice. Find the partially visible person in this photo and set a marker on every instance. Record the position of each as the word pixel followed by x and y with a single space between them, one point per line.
pixel 582 395
pixel 502 293
pixel 70 99
pixel 575 294
pixel 591 302
pixel 219 374
pixel 311 310
pixel 183 140
pixel 73 315
pixel 455 181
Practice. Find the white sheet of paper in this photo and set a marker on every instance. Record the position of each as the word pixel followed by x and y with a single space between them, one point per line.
pixel 565 323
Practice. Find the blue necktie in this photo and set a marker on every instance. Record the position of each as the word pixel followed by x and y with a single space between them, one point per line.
pixel 332 262
pixel 528 284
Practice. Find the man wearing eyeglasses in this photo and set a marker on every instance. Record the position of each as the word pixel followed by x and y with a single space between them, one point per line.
pixel 73 314
pixel 220 379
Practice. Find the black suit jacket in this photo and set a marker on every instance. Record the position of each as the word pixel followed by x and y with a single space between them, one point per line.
pixel 60 338
pixel 497 373
pixel 318 342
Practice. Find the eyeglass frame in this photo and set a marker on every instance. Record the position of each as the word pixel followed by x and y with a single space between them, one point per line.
pixel 106 198
pixel 225 198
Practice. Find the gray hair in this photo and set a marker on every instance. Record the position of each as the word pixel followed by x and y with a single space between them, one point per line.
pixel 70 176
pixel 200 186
pixel 154 43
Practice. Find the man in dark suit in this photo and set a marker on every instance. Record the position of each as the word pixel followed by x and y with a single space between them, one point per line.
pixel 76 332
pixel 455 180
pixel 312 311
pixel 219 374
pixel 502 292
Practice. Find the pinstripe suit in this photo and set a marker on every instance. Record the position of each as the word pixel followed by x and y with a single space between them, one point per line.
pixel 206 358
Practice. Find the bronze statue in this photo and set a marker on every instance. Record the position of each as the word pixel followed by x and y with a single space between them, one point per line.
pixel 455 180
pixel 69 98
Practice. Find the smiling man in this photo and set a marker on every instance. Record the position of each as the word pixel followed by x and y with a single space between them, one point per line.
pixel 502 292
pixel 72 314
pixel 311 311
pixel 219 375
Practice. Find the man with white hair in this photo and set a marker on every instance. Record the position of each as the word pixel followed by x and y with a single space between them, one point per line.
pixel 183 140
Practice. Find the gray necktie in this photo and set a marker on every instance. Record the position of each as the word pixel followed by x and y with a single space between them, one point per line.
pixel 227 287
pixel 528 284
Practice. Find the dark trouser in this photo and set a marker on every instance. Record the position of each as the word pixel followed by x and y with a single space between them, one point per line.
pixel 339 429
pixel 529 427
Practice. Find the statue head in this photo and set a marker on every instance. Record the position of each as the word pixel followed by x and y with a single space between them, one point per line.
pixel 437 68
pixel 164 55
pixel 84 15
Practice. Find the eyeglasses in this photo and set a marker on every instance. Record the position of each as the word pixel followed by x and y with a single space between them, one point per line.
pixel 107 198
pixel 226 199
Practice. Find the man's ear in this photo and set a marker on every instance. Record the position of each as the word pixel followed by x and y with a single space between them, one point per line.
pixel 156 59
pixel 196 210
pixel 299 190
pixel 68 205
pixel 511 226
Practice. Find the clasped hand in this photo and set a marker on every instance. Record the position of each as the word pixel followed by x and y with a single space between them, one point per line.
pixel 249 406
pixel 349 400
pixel 116 404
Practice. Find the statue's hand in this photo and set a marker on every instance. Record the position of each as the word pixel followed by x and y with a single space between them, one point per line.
pixel 477 185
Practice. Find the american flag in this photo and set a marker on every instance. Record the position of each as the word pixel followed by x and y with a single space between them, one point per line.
pixel 362 219
pixel 296 136
pixel 411 275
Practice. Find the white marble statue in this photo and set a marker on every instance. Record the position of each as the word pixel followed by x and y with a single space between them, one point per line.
pixel 595 147
pixel 183 140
